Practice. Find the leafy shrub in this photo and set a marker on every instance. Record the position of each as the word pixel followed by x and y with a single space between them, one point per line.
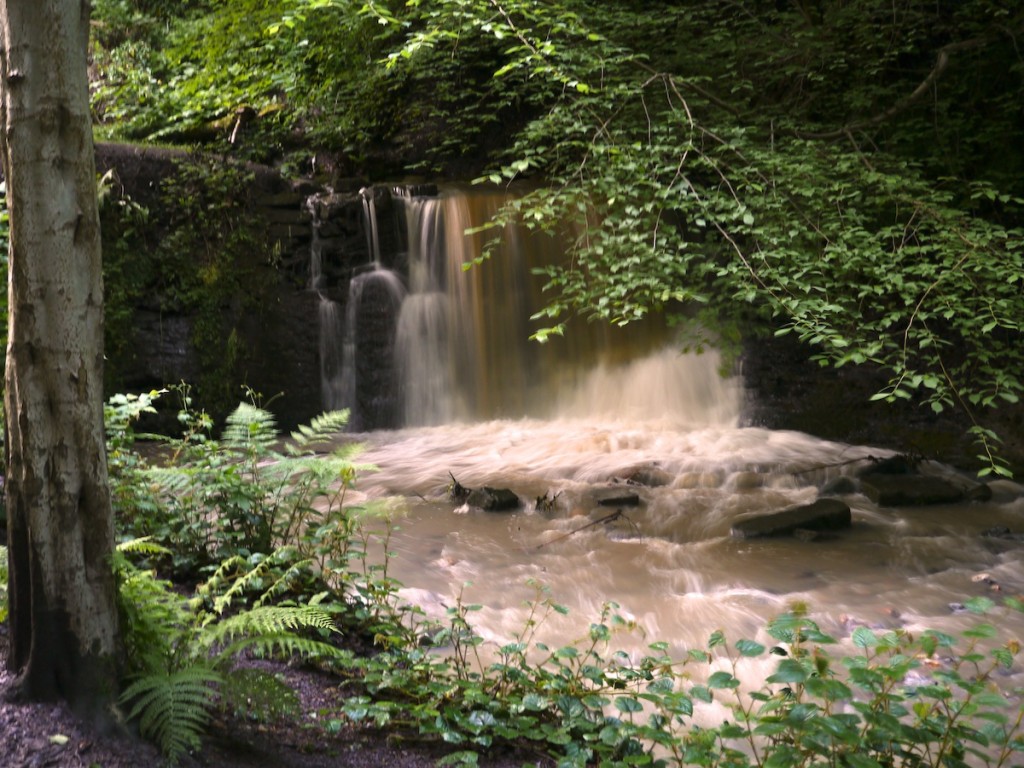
pixel 898 699
pixel 183 653
pixel 290 65
pixel 208 500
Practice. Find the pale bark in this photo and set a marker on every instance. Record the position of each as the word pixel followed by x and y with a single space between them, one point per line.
pixel 64 627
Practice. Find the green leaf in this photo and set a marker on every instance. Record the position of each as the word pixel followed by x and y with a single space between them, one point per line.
pixel 628 704
pixel 789 671
pixel 864 638
pixel 701 693
pixel 979 605
pixel 722 679
pixel 535 702
pixel 749 648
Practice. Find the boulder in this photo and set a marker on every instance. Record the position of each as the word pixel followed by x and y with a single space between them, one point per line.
pixel 909 490
pixel 747 481
pixel 978 492
pixel 822 515
pixel 839 486
pixel 493 499
pixel 650 477
pixel 899 464
pixel 697 480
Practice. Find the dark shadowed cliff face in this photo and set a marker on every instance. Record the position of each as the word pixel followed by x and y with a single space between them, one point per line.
pixel 206 280
pixel 788 390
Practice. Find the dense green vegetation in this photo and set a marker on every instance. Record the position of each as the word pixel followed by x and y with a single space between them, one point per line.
pixel 850 171
pixel 846 171
pixel 784 162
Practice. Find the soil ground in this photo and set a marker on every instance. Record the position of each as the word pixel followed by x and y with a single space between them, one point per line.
pixel 39 735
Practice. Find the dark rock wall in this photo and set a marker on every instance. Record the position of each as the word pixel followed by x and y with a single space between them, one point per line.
pixel 342 241
pixel 788 390
pixel 276 344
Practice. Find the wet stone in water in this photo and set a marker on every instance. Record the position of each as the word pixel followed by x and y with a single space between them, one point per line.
pixel 618 498
pixel 493 499
pixel 809 519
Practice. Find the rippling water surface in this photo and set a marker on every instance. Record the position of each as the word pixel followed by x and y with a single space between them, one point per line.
pixel 670 562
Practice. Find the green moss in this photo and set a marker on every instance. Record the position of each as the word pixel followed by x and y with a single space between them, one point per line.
pixel 197 252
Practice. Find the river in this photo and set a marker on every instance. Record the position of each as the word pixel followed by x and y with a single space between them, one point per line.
pixel 670 562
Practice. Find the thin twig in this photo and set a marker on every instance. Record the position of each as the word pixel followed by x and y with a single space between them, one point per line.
pixel 836 464
pixel 606 519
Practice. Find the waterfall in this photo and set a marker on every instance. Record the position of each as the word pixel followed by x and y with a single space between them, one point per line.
pixel 335 357
pixel 356 340
pixel 463 335
pixel 425 369
pixel 426 339
pixel 370 224
pixel 332 365
pixel 433 342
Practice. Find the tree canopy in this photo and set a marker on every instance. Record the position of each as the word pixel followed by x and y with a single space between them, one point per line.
pixel 849 169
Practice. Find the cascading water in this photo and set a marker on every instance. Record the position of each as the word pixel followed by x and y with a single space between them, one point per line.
pixel 330 332
pixel 372 230
pixel 598 412
pixel 356 346
pixel 424 336
pixel 335 357
pixel 463 335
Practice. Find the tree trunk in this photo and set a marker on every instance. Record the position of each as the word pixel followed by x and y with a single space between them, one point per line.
pixel 65 641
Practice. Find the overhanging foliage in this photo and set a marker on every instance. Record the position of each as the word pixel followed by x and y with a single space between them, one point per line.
pixel 772 162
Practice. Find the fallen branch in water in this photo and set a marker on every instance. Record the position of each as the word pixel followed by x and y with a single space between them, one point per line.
pixel 606 519
pixel 897 464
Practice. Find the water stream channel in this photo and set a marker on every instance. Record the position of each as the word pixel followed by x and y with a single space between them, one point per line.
pixel 563 425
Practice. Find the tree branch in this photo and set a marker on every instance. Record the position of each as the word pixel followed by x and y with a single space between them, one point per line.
pixel 941 64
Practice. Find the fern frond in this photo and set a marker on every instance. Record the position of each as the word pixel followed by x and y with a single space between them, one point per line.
pixel 174 480
pixel 320 469
pixel 143 545
pixel 249 429
pixel 173 708
pixel 226 573
pixel 152 614
pixel 288 467
pixel 348 452
pixel 265 620
pixel 285 645
pixel 231 581
pixel 240 586
pixel 295 573
pixel 321 430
